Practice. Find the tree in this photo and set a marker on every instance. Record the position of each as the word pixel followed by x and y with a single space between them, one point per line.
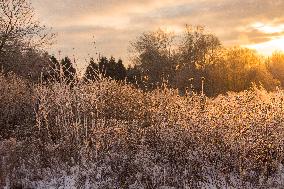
pixel 276 66
pixel 239 62
pixel 30 65
pixel 111 68
pixel 106 68
pixel 120 71
pixel 153 56
pixel 198 55
pixel 103 66
pixel 260 75
pixel 69 72
pixel 133 76
pixel 216 77
pixel 159 58
pixel 238 69
pixel 22 39
pixel 197 50
pixel 19 28
pixel 53 73
pixel 92 71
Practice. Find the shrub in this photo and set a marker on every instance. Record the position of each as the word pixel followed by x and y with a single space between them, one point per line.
pixel 110 134
pixel 17 106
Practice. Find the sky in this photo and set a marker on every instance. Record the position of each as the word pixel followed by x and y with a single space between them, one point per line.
pixel 87 28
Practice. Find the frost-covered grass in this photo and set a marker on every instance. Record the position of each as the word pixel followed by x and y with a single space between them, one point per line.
pixel 111 135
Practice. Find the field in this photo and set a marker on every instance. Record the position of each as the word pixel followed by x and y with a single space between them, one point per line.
pixel 107 134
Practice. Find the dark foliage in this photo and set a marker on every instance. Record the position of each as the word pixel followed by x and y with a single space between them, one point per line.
pixel 106 68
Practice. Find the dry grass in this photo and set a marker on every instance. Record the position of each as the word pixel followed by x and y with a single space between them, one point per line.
pixel 119 136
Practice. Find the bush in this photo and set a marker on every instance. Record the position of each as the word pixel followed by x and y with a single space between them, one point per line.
pixel 111 135
pixel 17 106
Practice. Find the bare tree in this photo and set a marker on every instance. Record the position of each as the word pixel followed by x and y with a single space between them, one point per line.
pixel 20 28
pixel 154 56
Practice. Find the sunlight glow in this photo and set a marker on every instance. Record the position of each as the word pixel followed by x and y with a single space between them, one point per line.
pixel 276 43
pixel 265 28
pixel 267 48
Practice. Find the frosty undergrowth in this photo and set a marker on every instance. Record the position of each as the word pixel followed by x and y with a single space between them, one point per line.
pixel 111 135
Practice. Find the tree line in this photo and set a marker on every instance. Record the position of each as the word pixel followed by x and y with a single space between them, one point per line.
pixel 158 58
pixel 182 62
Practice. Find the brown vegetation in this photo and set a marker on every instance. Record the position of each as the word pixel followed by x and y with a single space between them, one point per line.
pixel 152 138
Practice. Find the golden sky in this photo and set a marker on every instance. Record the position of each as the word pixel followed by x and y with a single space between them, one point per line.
pixel 257 24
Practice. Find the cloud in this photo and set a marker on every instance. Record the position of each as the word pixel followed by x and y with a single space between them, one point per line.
pixel 116 22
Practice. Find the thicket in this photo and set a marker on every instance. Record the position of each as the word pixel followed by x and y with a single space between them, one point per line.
pixel 111 134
